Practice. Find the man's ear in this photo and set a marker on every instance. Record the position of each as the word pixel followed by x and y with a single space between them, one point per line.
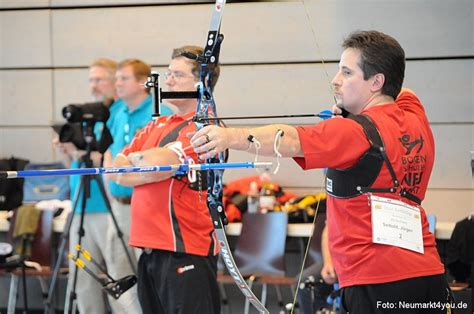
pixel 378 81
pixel 142 83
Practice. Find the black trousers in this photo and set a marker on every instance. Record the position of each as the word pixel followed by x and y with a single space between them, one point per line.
pixel 415 295
pixel 173 283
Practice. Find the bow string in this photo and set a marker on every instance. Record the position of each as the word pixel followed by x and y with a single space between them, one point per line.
pixel 345 113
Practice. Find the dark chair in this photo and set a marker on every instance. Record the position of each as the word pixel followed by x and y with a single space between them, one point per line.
pixel 312 292
pixel 41 253
pixel 260 251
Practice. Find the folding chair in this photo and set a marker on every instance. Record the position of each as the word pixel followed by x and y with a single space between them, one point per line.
pixel 310 277
pixel 41 253
pixel 260 251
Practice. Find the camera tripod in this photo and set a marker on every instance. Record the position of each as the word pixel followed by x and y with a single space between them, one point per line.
pixel 82 192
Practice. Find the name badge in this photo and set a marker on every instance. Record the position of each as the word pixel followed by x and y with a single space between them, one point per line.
pixel 396 223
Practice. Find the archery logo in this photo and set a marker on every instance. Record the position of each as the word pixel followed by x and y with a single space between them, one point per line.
pixel 413 162
pixel 409 146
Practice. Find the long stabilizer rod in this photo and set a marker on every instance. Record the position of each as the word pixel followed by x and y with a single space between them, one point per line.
pixel 91 171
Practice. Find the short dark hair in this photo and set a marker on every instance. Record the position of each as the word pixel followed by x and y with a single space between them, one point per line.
pixel 196 50
pixel 379 53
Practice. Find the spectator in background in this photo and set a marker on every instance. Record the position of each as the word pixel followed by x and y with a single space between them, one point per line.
pixel 134 114
pixel 106 250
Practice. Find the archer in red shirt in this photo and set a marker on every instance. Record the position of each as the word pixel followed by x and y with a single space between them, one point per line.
pixel 177 270
pixel 382 154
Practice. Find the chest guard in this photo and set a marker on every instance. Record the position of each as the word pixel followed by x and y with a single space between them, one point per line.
pixel 351 182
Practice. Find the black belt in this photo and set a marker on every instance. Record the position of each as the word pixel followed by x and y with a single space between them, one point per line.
pixel 124 200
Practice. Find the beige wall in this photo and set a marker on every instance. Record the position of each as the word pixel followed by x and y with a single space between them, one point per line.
pixel 271 64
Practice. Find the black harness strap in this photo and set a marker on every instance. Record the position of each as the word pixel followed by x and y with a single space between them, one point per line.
pixel 173 135
pixel 351 182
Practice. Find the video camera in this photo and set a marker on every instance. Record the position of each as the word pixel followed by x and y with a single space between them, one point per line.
pixel 81 121
pixel 93 111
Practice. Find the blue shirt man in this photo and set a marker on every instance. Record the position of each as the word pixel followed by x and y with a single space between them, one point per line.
pixel 101 240
pixel 125 125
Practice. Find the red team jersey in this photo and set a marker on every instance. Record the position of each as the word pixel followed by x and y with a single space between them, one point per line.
pixel 339 143
pixel 168 215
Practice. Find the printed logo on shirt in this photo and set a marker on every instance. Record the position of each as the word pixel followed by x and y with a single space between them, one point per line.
pixel 181 270
pixel 409 146
pixel 413 163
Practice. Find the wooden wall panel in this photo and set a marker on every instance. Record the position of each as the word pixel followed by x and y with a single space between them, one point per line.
pixel 25 39
pixel 68 3
pixel 70 87
pixel 18 4
pixel 445 87
pixel 268 89
pixel 425 28
pixel 146 33
pixel 453 159
pixel 4 4
pixel 25 97
pixel 274 89
pixel 285 36
pixel 30 143
pixel 304 88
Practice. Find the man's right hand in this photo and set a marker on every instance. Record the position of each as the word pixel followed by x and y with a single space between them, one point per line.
pixel 328 274
pixel 336 110
pixel 67 149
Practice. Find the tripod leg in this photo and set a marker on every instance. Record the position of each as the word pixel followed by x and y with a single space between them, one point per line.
pixel 85 186
pixel 114 219
pixel 26 244
pixel 13 294
pixel 25 294
pixel 59 257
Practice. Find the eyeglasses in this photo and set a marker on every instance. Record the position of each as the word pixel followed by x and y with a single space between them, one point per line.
pixel 177 75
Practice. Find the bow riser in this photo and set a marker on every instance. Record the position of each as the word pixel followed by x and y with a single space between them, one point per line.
pixel 206 106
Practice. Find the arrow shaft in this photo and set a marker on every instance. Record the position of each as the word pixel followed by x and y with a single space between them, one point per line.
pixel 309 115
